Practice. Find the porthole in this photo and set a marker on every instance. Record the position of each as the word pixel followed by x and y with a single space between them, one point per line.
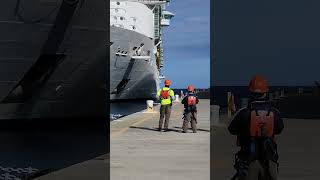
pixel 118 3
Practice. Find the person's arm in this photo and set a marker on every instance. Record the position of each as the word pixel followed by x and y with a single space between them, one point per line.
pixel 184 100
pixel 278 122
pixel 197 100
pixel 171 93
pixel 235 125
pixel 158 94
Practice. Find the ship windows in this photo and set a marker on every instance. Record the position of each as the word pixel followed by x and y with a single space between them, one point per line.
pixel 166 16
pixel 119 25
pixel 117 10
pixel 133 27
pixel 118 3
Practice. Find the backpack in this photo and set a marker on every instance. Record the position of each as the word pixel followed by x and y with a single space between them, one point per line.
pixel 165 94
pixel 262 132
pixel 192 100
pixel 261 123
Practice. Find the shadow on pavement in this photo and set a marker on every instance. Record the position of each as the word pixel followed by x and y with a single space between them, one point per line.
pixel 198 129
pixel 153 129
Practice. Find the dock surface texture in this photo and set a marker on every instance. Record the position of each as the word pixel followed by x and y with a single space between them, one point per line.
pixel 298 148
pixel 139 151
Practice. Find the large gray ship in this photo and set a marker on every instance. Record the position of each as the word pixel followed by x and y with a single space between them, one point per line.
pixel 53 58
pixel 53 85
pixel 136 53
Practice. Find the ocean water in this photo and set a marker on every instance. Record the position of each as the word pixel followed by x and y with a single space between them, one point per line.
pixel 218 94
pixel 124 108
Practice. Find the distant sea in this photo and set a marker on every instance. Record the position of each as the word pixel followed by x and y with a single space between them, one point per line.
pixel 218 94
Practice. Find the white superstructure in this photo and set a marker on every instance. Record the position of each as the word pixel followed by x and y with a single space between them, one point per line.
pixel 133 16
pixel 136 50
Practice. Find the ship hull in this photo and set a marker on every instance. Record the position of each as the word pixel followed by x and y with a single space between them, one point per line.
pixel 53 59
pixel 131 78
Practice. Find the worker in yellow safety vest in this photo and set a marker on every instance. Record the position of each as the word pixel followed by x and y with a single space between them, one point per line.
pixel 166 96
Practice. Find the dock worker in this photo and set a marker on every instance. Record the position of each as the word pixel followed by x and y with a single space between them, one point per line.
pixel 255 127
pixel 166 96
pixel 190 102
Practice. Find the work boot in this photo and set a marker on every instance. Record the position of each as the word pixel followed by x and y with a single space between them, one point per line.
pixel 159 129
pixel 165 130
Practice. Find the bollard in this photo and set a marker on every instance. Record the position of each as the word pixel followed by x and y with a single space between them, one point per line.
pixel 214 115
pixel 300 91
pixel 176 98
pixel 150 106
pixel 282 93
pixel 277 95
pixel 181 94
pixel 270 96
pixel 228 101
pixel 231 105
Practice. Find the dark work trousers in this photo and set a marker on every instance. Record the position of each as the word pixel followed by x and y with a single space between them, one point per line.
pixel 190 117
pixel 257 169
pixel 165 111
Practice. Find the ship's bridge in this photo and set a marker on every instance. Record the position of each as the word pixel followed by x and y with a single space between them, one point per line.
pixel 133 16
pixel 166 18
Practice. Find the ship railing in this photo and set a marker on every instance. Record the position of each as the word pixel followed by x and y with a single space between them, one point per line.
pixel 152 2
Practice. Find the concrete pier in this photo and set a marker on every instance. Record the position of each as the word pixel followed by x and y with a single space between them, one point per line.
pixel 139 151
pixel 298 148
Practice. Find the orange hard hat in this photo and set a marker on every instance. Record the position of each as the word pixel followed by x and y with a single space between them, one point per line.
pixel 167 82
pixel 258 84
pixel 190 88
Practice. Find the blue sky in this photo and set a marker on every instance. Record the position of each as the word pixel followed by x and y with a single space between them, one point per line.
pixel 187 44
pixel 279 39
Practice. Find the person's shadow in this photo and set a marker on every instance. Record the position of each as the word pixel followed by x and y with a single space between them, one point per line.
pixel 174 129
pixel 154 129
pixel 198 129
